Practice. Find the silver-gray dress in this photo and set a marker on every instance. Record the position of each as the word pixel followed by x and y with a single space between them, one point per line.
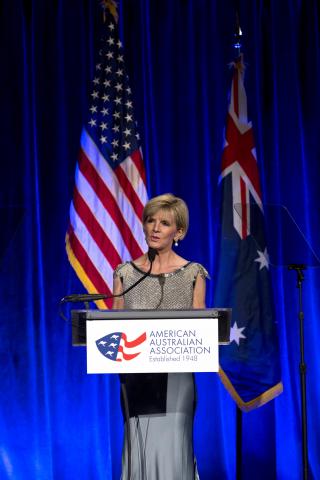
pixel 161 406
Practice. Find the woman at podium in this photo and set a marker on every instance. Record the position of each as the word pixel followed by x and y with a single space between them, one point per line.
pixel 160 407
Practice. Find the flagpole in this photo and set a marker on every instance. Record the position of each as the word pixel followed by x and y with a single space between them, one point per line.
pixel 237 46
pixel 299 269
pixel 238 444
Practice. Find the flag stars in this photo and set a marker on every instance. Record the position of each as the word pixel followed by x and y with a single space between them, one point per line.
pixel 111 101
pixel 263 259
pixel 236 333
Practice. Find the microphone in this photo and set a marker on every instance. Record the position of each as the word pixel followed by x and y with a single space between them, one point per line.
pixel 91 297
pixel 152 252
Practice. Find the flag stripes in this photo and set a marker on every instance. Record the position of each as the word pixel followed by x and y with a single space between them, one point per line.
pixel 101 215
pixel 93 275
pixel 112 204
pixel 95 230
pixel 89 245
pixel 127 187
pixel 110 183
pixel 103 180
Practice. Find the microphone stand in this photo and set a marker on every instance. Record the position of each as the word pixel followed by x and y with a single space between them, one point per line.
pixel 302 367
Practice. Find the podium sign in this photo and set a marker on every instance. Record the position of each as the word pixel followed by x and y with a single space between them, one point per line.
pixel 152 346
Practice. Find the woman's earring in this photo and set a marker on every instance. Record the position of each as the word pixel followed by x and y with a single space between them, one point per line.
pixel 176 244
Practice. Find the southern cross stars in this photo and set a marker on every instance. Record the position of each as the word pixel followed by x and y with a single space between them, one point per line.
pixel 236 333
pixel 263 259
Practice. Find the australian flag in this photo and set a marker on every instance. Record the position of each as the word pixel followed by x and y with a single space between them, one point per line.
pixel 117 347
pixel 249 365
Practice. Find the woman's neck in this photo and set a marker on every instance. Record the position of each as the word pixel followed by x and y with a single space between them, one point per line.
pixel 166 262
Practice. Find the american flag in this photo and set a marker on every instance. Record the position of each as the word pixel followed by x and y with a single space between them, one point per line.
pixel 250 364
pixel 117 347
pixel 105 225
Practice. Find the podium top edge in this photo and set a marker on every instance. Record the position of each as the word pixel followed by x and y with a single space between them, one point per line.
pixel 193 313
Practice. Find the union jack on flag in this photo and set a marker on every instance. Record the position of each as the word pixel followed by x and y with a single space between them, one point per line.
pixel 105 226
pixel 249 365
pixel 117 347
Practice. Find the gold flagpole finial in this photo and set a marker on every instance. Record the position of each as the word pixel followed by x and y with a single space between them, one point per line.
pixel 110 5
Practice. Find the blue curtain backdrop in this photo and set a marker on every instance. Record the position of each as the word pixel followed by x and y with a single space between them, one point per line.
pixel 56 422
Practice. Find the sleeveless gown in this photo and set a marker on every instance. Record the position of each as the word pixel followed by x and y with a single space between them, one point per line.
pixel 161 406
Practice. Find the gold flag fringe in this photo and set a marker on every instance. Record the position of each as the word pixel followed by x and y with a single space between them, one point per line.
pixel 254 403
pixel 83 277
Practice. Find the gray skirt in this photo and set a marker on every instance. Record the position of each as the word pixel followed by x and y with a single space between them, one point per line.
pixel 161 442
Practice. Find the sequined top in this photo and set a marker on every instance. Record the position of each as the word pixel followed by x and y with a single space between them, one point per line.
pixel 165 291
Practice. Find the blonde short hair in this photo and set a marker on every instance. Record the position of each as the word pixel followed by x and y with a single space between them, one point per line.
pixel 169 203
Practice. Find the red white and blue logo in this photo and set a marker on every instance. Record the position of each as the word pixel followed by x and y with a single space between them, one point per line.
pixel 117 347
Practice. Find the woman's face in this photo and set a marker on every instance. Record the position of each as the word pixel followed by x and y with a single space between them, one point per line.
pixel 160 230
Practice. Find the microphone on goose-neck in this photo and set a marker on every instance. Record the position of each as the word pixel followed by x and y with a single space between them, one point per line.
pixel 152 252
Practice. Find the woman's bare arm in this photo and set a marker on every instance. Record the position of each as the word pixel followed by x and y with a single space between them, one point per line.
pixel 199 293
pixel 118 302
